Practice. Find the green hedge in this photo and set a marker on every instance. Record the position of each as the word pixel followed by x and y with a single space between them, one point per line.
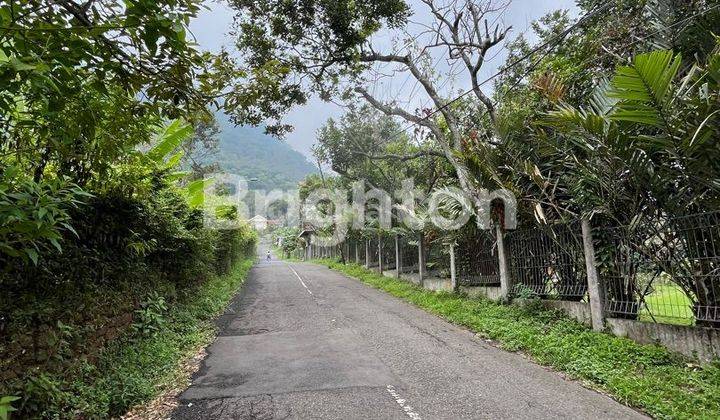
pixel 133 263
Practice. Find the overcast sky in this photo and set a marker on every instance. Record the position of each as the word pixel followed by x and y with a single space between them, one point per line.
pixel 211 28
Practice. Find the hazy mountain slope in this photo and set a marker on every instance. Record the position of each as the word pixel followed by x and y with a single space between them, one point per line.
pixel 249 152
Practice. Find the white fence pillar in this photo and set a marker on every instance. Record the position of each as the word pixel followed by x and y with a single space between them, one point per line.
pixel 453 275
pixel 367 253
pixel 357 252
pixel 398 260
pixel 505 281
pixel 421 257
pixel 595 290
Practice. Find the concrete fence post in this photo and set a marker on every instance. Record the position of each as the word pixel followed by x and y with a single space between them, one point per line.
pixel 421 257
pixel 453 275
pixel 398 260
pixel 346 257
pixel 505 281
pixel 367 253
pixel 380 255
pixel 357 252
pixel 595 290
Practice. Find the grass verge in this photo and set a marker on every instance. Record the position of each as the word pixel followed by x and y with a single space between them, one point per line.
pixel 133 370
pixel 649 377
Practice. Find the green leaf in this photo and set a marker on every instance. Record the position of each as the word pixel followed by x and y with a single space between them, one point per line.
pixel 195 192
pixel 644 88
pixel 169 138
pixel 56 244
pixel 32 254
pixel 174 160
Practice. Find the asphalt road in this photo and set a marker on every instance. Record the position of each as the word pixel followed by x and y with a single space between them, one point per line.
pixel 302 341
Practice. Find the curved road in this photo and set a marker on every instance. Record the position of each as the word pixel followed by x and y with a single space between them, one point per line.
pixel 302 341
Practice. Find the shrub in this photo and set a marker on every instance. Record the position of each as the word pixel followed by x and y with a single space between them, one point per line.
pixel 132 260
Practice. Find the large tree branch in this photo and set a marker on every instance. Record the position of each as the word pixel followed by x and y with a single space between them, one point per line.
pixel 464 45
pixel 395 111
pixel 462 172
pixel 425 82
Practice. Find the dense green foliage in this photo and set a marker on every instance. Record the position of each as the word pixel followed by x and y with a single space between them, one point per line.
pixel 298 46
pixel 287 241
pixel 127 260
pixel 100 234
pixel 618 131
pixel 135 367
pixel 648 377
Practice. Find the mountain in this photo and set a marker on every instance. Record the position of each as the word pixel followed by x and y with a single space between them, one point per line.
pixel 249 152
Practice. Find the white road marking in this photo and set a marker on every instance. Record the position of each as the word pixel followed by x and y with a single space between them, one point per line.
pixel 299 278
pixel 402 403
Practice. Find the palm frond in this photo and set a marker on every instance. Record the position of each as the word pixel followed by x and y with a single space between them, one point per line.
pixel 644 88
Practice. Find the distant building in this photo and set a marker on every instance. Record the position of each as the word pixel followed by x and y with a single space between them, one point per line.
pixel 260 223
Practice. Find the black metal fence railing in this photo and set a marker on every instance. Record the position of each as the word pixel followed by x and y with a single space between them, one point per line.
pixel 408 254
pixel 437 260
pixel 388 253
pixel 548 262
pixel 361 251
pixel 373 254
pixel 476 260
pixel 663 270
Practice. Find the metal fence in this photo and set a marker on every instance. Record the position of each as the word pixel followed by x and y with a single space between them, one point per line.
pixel 548 262
pixel 361 251
pixel 373 259
pixel 663 269
pixel 388 253
pixel 408 254
pixel 476 260
pixel 437 259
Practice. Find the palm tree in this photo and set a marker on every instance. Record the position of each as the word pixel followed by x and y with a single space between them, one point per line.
pixel 650 143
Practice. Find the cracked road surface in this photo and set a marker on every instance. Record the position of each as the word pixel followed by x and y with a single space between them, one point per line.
pixel 301 341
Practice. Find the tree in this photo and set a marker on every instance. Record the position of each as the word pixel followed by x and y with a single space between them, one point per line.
pixel 365 145
pixel 202 147
pixel 293 47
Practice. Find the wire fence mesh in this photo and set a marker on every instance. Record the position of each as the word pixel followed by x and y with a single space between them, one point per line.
pixel 388 252
pixel 664 269
pixel 437 259
pixel 476 260
pixel 408 254
pixel 548 262
pixel 372 245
